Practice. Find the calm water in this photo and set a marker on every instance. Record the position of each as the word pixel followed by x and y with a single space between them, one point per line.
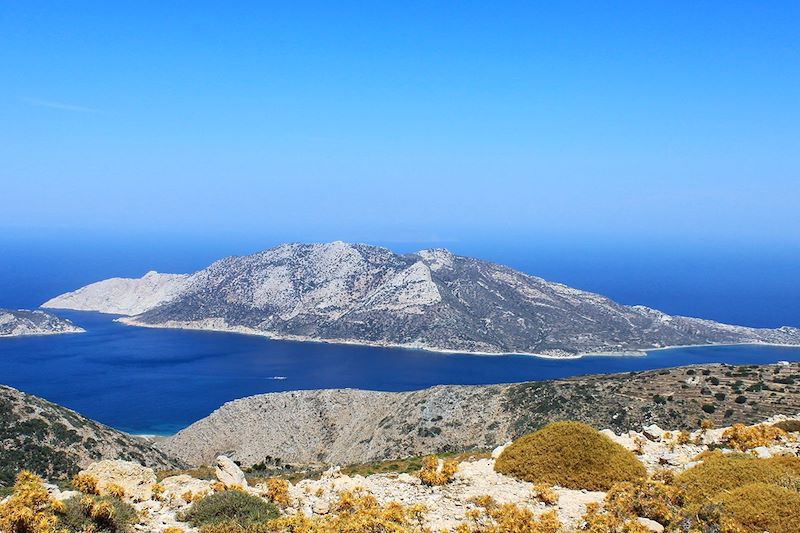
pixel 158 381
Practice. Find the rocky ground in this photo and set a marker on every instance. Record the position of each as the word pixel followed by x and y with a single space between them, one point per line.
pixel 355 426
pixel 21 322
pixel 447 505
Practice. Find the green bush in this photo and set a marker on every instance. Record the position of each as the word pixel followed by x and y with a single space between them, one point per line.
pixel 572 455
pixel 763 507
pixel 231 506
pixel 102 514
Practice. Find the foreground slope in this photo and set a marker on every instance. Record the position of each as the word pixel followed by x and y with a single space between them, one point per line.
pixel 353 426
pixel 55 442
pixel 432 299
pixel 19 323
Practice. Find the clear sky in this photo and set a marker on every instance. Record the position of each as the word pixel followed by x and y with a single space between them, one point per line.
pixel 403 121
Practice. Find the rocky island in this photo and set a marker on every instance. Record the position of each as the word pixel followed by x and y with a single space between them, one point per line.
pixel 18 323
pixel 431 300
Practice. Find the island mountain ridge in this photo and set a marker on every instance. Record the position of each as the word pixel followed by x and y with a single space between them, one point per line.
pixel 431 299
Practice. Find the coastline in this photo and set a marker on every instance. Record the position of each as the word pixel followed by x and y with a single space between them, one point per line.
pixel 43 334
pixel 241 330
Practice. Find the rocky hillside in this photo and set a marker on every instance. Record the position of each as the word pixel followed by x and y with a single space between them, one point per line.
pixel 56 442
pixel 354 426
pixel 431 299
pixel 672 474
pixel 122 296
pixel 21 322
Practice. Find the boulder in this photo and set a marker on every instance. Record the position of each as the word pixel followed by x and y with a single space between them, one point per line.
pixel 176 487
pixel 229 474
pixel 653 432
pixel 136 480
pixel 650 525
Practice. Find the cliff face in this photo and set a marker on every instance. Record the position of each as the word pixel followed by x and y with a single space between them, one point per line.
pixel 432 299
pixel 18 323
pixel 353 426
pixel 55 442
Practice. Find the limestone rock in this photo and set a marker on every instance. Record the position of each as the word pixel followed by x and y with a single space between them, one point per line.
pixel 176 488
pixel 651 525
pixel 136 480
pixel 653 432
pixel 499 450
pixel 229 474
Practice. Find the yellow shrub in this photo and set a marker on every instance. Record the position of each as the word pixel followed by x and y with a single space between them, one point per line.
pixel 278 491
pixel 725 472
pixel 173 530
pixel 508 518
pixel 30 509
pixel 112 489
pixel 682 437
pixel 650 499
pixel 85 483
pixel 572 455
pixel 545 494
pixel 741 437
pixel 157 491
pixel 355 512
pixel 762 507
pixel 432 473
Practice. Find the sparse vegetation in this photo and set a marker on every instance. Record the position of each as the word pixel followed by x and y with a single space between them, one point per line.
pixel 354 512
pixel 741 437
pixel 437 472
pixel 572 455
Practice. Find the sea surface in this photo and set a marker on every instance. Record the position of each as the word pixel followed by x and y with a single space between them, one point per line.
pixel 158 381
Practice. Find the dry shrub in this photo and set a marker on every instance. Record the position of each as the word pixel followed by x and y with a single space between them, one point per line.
pixel 741 437
pixel 682 437
pixel 435 473
pixel 157 490
pixel 30 509
pixel 650 499
pixel 355 512
pixel 508 518
pixel 545 494
pixel 278 491
pixel 85 483
pixel 597 521
pixel 112 489
pixel 572 455
pixel 761 507
pixel 719 473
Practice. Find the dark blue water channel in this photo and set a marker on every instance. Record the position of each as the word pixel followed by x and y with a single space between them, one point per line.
pixel 160 380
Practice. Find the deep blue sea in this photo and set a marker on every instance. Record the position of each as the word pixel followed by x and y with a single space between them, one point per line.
pixel 158 381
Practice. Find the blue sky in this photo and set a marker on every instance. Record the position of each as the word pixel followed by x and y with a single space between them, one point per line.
pixel 403 121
